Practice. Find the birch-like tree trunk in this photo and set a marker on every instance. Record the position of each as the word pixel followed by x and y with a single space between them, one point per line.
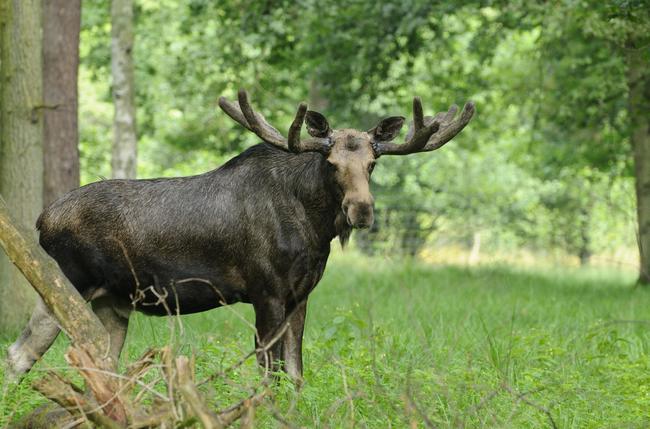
pixel 638 59
pixel 124 158
pixel 21 141
pixel 61 22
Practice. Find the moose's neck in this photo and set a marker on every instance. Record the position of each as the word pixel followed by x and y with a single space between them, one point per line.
pixel 305 179
pixel 309 179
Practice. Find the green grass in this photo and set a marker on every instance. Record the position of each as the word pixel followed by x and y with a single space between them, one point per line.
pixel 482 347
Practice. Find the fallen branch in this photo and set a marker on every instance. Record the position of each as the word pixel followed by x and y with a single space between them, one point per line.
pixel 104 387
pixel 53 386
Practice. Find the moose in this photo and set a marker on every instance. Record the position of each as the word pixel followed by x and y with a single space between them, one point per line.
pixel 256 230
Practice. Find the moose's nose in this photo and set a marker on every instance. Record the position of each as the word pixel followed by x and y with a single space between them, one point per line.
pixel 359 213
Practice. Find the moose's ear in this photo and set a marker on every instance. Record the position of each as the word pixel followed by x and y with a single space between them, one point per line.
pixel 317 125
pixel 387 129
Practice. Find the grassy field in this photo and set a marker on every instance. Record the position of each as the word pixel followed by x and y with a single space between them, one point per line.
pixel 394 344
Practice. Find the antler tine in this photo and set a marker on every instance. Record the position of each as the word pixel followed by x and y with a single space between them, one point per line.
pixel 258 124
pixel 295 128
pixel 450 128
pixel 449 114
pixel 234 110
pixel 314 144
pixel 418 114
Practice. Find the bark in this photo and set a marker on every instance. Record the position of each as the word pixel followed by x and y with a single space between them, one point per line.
pixel 124 158
pixel 638 78
pixel 61 23
pixel 21 138
pixel 103 386
pixel 77 321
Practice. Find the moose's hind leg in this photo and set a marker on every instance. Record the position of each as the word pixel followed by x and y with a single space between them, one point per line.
pixel 36 339
pixel 114 315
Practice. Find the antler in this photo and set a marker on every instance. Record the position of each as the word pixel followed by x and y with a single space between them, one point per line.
pixel 243 113
pixel 429 133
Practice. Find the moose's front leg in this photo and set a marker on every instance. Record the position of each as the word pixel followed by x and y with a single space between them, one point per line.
pixel 293 342
pixel 269 318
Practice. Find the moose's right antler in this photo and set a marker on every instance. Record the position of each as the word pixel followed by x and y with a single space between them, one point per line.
pixel 429 133
pixel 243 113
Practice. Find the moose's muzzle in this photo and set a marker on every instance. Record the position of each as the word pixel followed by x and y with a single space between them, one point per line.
pixel 359 213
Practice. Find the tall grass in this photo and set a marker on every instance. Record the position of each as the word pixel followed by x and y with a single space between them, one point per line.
pixel 395 344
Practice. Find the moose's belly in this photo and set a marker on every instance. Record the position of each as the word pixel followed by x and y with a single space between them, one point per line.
pixel 167 289
pixel 185 297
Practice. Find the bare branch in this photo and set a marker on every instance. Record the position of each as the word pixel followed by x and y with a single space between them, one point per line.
pixel 522 397
pixel 227 417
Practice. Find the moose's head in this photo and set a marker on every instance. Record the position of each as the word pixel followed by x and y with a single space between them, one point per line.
pixel 351 154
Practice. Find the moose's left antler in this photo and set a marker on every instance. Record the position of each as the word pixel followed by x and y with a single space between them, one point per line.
pixel 243 113
pixel 429 133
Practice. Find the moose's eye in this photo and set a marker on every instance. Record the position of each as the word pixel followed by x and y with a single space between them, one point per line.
pixel 371 166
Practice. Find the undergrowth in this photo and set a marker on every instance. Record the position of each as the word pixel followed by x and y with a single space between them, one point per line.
pixel 395 344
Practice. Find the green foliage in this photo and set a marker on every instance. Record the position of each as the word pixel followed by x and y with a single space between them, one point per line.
pixel 488 347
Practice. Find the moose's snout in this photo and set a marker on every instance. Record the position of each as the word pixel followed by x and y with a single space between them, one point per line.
pixel 359 213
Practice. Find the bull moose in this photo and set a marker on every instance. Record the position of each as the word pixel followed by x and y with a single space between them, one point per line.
pixel 255 230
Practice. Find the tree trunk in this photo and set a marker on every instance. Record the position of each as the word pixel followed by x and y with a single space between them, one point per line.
pixel 21 141
pixel 584 251
pixel 638 76
pixel 124 158
pixel 61 22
